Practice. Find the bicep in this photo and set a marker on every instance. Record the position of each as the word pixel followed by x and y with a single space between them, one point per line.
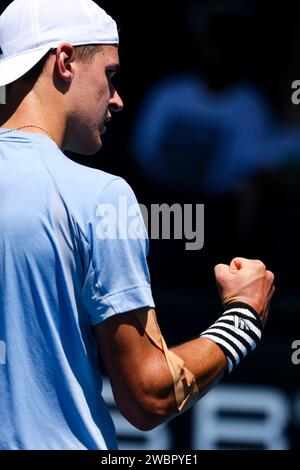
pixel 122 340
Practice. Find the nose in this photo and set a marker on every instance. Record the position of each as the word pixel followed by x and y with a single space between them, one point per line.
pixel 116 104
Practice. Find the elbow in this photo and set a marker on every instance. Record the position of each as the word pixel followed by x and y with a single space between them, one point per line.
pixel 146 398
pixel 146 411
pixel 149 414
pixel 143 423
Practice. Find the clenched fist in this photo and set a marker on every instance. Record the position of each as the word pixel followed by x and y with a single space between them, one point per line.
pixel 246 281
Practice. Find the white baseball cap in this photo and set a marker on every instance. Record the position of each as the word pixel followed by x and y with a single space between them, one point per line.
pixel 30 28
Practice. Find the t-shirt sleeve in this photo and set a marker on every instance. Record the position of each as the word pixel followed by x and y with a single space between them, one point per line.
pixel 118 279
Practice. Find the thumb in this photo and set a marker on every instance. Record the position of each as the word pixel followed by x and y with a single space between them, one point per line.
pixel 237 264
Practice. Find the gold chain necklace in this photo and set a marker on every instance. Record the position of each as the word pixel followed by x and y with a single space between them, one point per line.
pixel 29 125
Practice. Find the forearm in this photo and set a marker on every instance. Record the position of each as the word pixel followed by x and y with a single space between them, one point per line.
pixel 201 357
pixel 146 394
pixel 205 360
pixel 152 383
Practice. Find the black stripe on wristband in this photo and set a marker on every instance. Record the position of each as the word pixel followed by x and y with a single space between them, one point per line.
pixel 231 305
pixel 236 332
pixel 219 334
pixel 228 319
pixel 215 337
pixel 238 337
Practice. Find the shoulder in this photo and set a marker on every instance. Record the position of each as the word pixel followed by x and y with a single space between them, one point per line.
pixel 98 185
pixel 84 188
pixel 76 178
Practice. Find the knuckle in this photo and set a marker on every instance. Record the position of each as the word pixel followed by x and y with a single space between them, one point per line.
pixel 259 264
pixel 219 276
pixel 219 273
pixel 218 268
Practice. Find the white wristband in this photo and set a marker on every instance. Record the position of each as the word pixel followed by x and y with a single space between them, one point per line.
pixel 237 332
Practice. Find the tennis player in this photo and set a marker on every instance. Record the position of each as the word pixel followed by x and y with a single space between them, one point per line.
pixel 71 287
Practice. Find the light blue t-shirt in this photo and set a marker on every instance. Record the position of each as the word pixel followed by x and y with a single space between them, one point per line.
pixel 65 264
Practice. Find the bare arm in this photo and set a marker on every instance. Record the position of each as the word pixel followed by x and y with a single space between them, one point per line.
pixel 141 379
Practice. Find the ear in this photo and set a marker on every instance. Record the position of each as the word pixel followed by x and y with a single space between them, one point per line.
pixel 65 59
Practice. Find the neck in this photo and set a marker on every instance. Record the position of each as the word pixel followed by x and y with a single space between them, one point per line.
pixel 34 111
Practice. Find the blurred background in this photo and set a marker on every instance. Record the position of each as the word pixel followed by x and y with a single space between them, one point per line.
pixel 209 119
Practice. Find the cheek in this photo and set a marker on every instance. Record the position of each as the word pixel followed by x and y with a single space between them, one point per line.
pixel 103 95
pixel 95 96
pixel 103 89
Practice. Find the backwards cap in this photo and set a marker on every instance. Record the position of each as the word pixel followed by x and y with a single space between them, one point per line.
pixel 30 28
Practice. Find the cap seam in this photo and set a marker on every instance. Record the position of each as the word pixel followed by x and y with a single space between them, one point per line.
pixel 90 16
pixel 34 20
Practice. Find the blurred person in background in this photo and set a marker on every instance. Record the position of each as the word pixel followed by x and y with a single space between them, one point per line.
pixel 209 133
